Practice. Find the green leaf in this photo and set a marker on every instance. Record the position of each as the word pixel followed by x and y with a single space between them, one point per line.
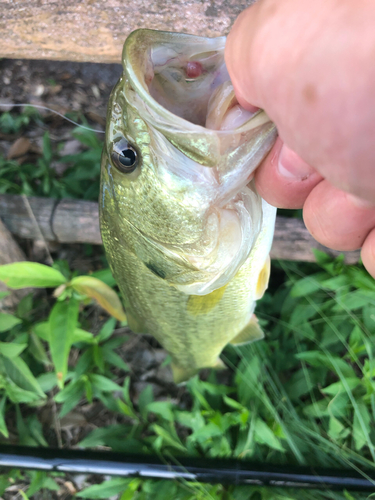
pixel 161 408
pixel 105 490
pixel 4 483
pixel 47 381
pixel 62 324
pixel 114 359
pixel 193 420
pixel 30 274
pixel 168 439
pixel 18 395
pixel 319 359
pixel 97 354
pixel 8 321
pixel 80 335
pixel 11 350
pixel 36 349
pixel 131 489
pixel 232 403
pixel 145 398
pixel 337 430
pixel 126 409
pixel 317 409
pixel 337 387
pixel 337 282
pixel 264 435
pixel 71 395
pixel 104 275
pixel 42 330
pixel 339 405
pixel 102 293
pixel 361 427
pixel 25 306
pixel 3 427
pixel 300 383
pixel 103 383
pixel 106 330
pixel 101 436
pixel 41 481
pixel 18 371
pixel 248 379
pixel 353 300
pixel 307 285
pixel 369 317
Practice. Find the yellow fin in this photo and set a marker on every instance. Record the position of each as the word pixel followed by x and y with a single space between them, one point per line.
pixel 219 365
pixel 201 304
pixel 181 375
pixel 250 333
pixel 263 279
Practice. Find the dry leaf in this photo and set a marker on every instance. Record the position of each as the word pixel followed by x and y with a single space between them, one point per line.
pixel 20 147
pixel 102 293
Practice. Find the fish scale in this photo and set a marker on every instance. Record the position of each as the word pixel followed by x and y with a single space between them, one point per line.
pixel 186 234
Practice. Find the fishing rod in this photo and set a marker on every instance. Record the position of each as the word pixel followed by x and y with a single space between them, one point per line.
pixel 224 471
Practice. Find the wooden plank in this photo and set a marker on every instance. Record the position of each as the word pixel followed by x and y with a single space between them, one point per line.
pixel 77 221
pixel 10 252
pixel 95 31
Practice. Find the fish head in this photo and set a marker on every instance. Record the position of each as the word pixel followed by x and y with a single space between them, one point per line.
pixel 178 162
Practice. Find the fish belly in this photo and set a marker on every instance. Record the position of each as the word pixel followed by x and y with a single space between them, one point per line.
pixel 193 329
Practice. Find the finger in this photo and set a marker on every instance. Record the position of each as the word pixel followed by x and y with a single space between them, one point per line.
pixel 337 219
pixel 298 61
pixel 284 180
pixel 368 253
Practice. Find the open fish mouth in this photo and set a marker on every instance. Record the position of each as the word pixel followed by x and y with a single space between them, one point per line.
pixel 203 141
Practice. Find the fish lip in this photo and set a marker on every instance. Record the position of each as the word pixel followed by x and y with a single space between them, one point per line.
pixel 138 36
pixel 217 43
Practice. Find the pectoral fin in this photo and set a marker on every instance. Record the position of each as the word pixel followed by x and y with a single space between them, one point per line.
pixel 202 304
pixel 263 279
pixel 250 333
pixel 181 374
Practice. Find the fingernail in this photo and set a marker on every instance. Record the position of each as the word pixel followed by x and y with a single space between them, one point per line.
pixel 292 167
pixel 360 202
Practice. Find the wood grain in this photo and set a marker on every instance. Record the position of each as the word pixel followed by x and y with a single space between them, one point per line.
pixel 10 252
pixel 77 221
pixel 95 31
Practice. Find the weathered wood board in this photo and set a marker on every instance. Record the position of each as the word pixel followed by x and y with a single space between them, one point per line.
pixel 76 221
pixel 95 31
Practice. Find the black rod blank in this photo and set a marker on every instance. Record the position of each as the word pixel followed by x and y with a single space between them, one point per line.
pixel 192 469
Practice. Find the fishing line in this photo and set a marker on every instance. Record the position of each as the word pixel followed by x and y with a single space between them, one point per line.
pixel 38 106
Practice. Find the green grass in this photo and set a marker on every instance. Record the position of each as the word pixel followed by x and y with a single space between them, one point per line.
pixel 80 178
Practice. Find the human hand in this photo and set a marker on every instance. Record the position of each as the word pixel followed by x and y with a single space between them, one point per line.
pixel 310 66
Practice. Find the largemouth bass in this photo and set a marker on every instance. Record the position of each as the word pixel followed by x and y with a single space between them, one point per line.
pixel 186 234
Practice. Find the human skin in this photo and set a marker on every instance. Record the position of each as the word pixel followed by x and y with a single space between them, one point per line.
pixel 310 66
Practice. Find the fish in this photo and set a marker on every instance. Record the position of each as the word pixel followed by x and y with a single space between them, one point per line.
pixel 186 234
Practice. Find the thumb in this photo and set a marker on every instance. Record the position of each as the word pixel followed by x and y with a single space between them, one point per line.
pixel 244 59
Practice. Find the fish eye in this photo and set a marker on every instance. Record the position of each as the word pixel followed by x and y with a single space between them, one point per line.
pixel 125 157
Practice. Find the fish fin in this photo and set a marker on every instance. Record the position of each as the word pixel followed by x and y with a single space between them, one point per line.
pixel 201 304
pixel 181 375
pixel 219 365
pixel 250 333
pixel 263 279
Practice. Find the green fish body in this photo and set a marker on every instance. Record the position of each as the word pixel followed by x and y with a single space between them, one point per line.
pixel 186 234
